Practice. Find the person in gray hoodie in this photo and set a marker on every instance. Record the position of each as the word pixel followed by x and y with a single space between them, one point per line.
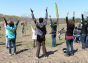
pixel 41 32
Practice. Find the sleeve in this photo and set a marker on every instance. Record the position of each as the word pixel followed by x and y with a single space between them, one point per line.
pixel 15 27
pixel 34 19
pixel 67 20
pixel 5 21
pixel 46 18
pixel 7 26
pixel 73 18
pixel 82 19
pixel 17 23
pixel 51 22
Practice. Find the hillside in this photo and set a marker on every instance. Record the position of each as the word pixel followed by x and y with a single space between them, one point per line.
pixel 29 20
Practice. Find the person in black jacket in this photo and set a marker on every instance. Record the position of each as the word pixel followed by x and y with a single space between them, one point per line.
pixel 84 32
pixel 69 33
pixel 41 32
pixel 53 25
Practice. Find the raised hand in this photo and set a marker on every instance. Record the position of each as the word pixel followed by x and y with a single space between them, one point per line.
pixel 82 14
pixel 74 13
pixel 46 9
pixel 67 13
pixel 31 10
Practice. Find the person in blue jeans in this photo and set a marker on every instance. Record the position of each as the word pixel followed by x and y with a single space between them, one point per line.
pixel 76 35
pixel 53 25
pixel 69 34
pixel 84 32
pixel 11 34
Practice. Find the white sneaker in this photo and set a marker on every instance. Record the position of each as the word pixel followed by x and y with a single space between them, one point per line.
pixel 46 57
pixel 10 54
pixel 14 54
pixel 36 58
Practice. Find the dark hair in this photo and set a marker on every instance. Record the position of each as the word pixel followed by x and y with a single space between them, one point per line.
pixel 40 20
pixel 11 24
pixel 71 23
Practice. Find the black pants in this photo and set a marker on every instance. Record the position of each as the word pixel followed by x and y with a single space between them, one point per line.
pixel 34 43
pixel 43 48
pixel 41 42
pixel 14 45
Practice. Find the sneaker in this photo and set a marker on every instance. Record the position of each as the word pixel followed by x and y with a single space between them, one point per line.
pixel 10 54
pixel 36 58
pixel 46 57
pixel 67 55
pixel 14 54
pixel 72 54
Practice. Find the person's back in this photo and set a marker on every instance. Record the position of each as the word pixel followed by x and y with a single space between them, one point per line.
pixel 11 31
pixel 70 29
pixel 41 32
pixel 11 35
pixel 84 26
pixel 53 26
pixel 41 28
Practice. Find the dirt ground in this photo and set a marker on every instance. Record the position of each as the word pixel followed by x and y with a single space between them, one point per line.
pixel 26 53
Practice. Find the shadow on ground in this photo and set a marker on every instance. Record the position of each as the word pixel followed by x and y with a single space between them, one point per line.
pixel 65 50
pixel 21 51
pixel 1 43
pixel 49 53
pixel 59 44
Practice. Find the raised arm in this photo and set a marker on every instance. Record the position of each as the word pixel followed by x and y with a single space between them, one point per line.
pixel 33 17
pixel 67 17
pixel 50 20
pixel 82 18
pixel 17 23
pixel 46 16
pixel 5 20
pixel 74 16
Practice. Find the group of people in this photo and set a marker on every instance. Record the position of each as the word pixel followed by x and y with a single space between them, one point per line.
pixel 40 31
pixel 70 34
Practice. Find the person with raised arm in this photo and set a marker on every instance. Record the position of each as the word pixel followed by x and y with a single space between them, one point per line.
pixel 41 32
pixel 69 34
pixel 11 35
pixel 53 24
pixel 84 31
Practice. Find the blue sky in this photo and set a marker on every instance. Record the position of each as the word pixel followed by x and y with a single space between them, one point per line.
pixel 22 7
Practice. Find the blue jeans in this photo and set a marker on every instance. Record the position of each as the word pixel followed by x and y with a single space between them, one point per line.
pixel 76 38
pixel 69 42
pixel 53 40
pixel 83 40
pixel 14 45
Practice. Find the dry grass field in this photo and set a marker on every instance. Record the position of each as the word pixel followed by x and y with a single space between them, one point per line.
pixel 26 52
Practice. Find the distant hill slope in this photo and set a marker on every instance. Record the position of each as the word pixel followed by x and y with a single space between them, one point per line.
pixel 29 20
